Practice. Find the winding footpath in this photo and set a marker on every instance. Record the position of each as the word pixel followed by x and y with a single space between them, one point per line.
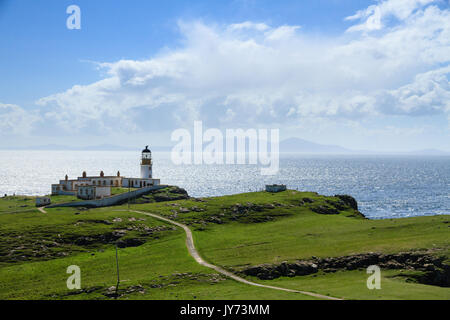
pixel 194 253
pixel 42 209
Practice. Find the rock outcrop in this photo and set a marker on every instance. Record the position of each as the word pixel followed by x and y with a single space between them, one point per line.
pixel 348 200
pixel 172 194
pixel 434 271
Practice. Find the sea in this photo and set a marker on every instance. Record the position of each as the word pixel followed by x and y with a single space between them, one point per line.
pixel 384 186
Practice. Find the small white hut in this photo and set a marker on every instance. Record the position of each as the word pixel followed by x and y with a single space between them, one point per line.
pixel 42 201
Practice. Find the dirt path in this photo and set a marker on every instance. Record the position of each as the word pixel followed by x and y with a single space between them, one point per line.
pixel 42 209
pixel 194 253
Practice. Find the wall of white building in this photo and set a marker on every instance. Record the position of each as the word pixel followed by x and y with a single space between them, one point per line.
pixel 93 192
pixel 102 192
pixel 139 183
pixel 110 201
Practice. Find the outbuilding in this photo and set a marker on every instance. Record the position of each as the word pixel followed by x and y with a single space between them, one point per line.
pixel 275 187
pixel 42 201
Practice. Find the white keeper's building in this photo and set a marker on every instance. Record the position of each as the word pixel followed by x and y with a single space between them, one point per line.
pixel 96 187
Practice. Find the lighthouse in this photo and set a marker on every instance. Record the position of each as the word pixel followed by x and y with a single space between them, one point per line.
pixel 89 187
pixel 146 164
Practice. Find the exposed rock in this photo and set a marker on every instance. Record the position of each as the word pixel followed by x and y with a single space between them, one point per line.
pixel 325 210
pixel 129 242
pixel 168 194
pixel 435 272
pixel 111 292
pixel 349 200
pixel 178 190
pixel 436 276
pixel 96 221
pixel 250 207
pixel 168 197
pixel 268 272
pixel 82 241
pixel 119 233
pixel 174 215
pixel 106 238
pixel 304 268
pixel 215 219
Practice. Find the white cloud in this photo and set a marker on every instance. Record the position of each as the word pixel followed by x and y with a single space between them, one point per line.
pixel 372 21
pixel 248 25
pixel 282 33
pixel 428 94
pixel 252 73
pixel 374 16
pixel 15 121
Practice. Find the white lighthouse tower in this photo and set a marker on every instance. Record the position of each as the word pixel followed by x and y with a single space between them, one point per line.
pixel 146 164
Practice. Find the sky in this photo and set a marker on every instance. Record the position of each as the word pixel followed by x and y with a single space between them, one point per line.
pixel 363 74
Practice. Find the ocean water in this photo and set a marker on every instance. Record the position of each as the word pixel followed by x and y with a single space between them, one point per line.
pixel 384 186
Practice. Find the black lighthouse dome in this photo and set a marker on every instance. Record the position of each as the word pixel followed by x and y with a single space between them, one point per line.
pixel 146 150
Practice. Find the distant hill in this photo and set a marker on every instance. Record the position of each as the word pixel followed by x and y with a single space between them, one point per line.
pixel 430 152
pixel 297 145
pixel 102 147
pixel 304 146
pixel 290 145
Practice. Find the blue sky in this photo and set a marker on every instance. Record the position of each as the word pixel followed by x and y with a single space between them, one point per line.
pixel 362 74
pixel 45 57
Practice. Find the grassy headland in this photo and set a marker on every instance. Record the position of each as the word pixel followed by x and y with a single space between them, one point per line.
pixel 238 232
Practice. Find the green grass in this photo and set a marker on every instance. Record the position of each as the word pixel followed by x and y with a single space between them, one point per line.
pixel 117 190
pixel 352 285
pixel 11 204
pixel 162 266
pixel 293 231
pixel 308 234
pixel 17 204
pixel 262 207
pixel 231 231
pixel 62 199
pixel 31 236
